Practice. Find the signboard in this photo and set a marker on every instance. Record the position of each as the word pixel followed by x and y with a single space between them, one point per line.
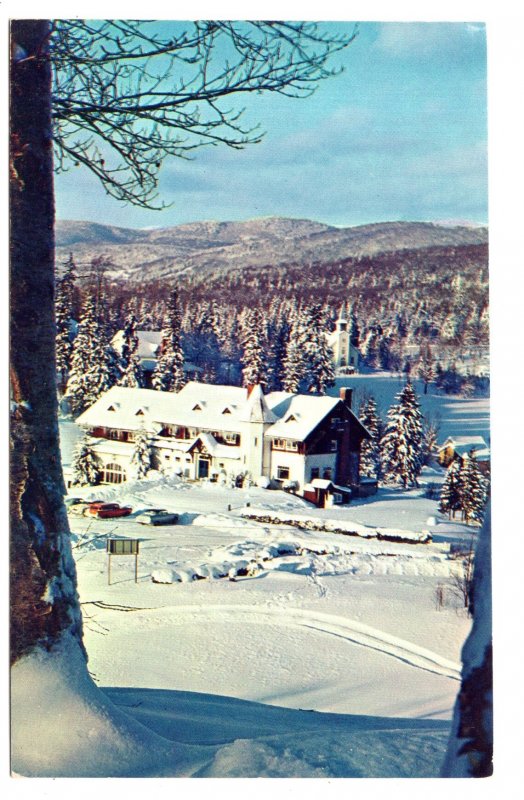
pixel 122 547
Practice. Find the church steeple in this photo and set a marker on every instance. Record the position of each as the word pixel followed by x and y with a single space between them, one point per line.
pixel 342 321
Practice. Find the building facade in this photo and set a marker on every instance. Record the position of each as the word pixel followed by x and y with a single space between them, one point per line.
pixel 210 432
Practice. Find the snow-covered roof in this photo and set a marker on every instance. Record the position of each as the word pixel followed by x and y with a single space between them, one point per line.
pixel 214 448
pixel 297 414
pixel 483 454
pixel 209 407
pixel 465 441
pixel 148 342
pixel 127 409
pixel 256 408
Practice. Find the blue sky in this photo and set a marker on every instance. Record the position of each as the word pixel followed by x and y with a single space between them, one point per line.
pixel 401 134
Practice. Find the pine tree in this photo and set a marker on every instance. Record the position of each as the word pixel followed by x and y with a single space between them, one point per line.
pixel 473 490
pixel 86 466
pixel 293 364
pixel 132 374
pixel 64 298
pixel 253 357
pixel 353 327
pixel 141 458
pixel 426 368
pixel 370 461
pixel 279 338
pixel 168 375
pixel 94 364
pixel 320 371
pixel 402 441
pixel 451 492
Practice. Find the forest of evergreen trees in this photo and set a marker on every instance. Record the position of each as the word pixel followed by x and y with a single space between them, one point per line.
pixel 424 313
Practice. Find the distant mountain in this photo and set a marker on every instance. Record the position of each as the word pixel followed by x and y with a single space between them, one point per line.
pixel 211 247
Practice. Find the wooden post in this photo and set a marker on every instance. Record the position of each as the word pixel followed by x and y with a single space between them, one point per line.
pixel 136 567
pixel 109 569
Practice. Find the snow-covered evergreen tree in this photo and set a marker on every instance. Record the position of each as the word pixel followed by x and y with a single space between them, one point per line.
pixel 93 361
pixel 353 327
pixel 132 374
pixel 253 341
pixel 278 341
pixel 168 375
pixel 320 371
pixel 473 490
pixel 293 364
pixel 451 492
pixel 141 458
pixel 402 441
pixel 426 366
pixel 86 465
pixel 64 297
pixel 370 461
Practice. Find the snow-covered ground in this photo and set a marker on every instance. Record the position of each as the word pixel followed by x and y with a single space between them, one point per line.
pixel 253 649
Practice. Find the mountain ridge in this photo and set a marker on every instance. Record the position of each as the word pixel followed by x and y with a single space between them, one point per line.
pixel 165 252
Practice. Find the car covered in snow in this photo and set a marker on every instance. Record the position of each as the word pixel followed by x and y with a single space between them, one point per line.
pixel 80 508
pixel 108 510
pixel 156 516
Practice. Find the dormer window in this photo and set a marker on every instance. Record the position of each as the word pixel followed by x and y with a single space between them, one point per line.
pixel 291 418
pixel 111 408
pixel 139 413
pixel 197 407
pixel 226 411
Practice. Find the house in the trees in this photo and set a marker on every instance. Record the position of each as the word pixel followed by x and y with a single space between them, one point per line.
pixel 221 432
pixel 345 354
pixel 148 349
pixel 460 447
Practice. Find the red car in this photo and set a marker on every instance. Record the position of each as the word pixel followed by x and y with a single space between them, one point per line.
pixel 109 510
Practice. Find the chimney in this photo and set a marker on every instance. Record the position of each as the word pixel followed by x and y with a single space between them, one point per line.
pixel 346 395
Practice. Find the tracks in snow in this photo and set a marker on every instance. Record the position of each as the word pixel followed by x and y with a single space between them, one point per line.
pixel 331 624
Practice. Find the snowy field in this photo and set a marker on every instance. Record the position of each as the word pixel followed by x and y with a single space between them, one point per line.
pixel 256 649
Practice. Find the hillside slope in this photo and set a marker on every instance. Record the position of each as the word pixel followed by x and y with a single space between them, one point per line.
pixel 201 247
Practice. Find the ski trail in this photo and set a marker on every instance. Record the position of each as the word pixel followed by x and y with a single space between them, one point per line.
pixel 331 624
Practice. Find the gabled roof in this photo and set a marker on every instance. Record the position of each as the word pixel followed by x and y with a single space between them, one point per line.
pixel 289 416
pixel 256 408
pixel 213 447
pixel 464 443
pixel 297 414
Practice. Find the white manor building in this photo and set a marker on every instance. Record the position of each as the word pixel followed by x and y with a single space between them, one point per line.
pixel 209 432
pixel 345 355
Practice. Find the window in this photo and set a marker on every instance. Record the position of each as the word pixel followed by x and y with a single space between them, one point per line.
pixel 315 473
pixel 197 407
pixel 139 413
pixel 283 473
pixel 333 446
pixel 113 473
pixel 226 411
pixel 113 434
pixel 291 418
pixel 327 474
pixel 111 408
pixel 285 444
pixel 167 458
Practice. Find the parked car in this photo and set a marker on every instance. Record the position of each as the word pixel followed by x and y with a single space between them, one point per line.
pixel 73 501
pixel 78 509
pixel 108 510
pixel 156 516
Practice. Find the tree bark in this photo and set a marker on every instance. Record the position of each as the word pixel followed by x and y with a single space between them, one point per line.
pixel 44 601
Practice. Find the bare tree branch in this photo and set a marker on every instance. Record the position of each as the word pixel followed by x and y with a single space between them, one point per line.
pixel 127 94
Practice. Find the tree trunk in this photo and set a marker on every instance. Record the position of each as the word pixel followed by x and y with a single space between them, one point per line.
pixel 44 601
